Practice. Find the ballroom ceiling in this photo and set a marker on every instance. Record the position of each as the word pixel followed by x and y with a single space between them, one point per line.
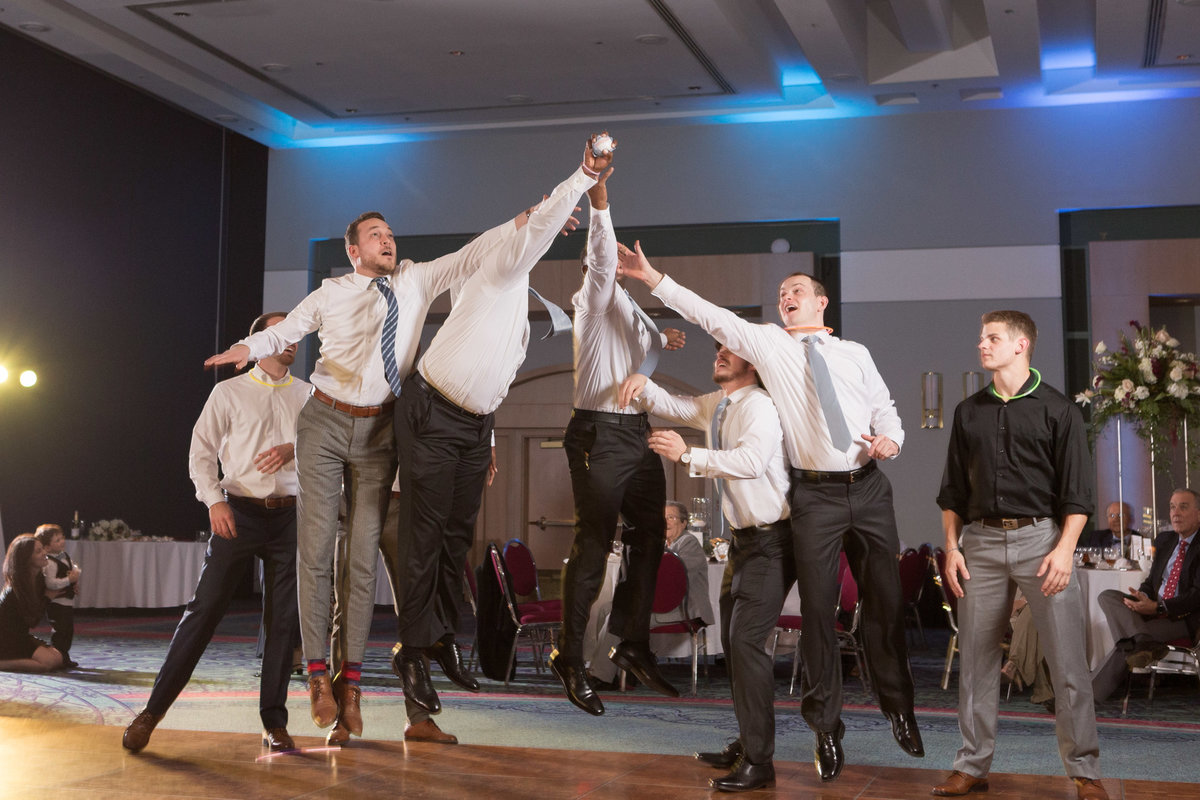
pixel 326 72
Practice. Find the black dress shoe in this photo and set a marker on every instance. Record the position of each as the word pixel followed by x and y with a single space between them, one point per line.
pixel 446 653
pixel 724 759
pixel 575 681
pixel 414 674
pixel 829 755
pixel 904 730
pixel 745 777
pixel 636 657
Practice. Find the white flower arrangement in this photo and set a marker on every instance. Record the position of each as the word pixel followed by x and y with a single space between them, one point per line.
pixel 112 530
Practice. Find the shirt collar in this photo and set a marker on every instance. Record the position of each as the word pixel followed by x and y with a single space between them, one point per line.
pixel 360 281
pixel 259 376
pixel 738 395
pixel 1032 384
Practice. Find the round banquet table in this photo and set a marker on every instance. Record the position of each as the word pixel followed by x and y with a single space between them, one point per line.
pixel 136 574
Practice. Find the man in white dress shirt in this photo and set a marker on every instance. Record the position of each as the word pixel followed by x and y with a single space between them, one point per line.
pixel 838 497
pixel 444 421
pixel 749 463
pixel 344 439
pixel 613 473
pixel 249 425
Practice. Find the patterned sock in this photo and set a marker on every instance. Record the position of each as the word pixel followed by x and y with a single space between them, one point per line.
pixel 351 672
pixel 317 666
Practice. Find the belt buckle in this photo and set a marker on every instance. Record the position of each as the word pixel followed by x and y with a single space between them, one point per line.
pixel 1008 524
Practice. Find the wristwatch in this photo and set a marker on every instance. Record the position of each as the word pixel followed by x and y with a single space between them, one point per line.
pixel 686 458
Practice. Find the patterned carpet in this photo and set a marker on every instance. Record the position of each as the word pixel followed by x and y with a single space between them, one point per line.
pixel 120 653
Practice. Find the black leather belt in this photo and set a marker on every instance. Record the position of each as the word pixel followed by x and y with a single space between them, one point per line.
pixel 1009 523
pixel 635 420
pixel 425 386
pixel 821 476
pixel 266 502
pixel 781 525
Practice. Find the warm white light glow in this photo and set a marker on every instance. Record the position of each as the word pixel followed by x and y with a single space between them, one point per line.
pixel 28 378
pixel 3 374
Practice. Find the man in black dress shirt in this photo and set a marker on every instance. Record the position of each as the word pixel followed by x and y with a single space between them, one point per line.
pixel 1015 496
pixel 1162 609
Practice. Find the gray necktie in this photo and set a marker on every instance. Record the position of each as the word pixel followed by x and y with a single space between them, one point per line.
pixel 830 407
pixel 387 339
pixel 559 321
pixel 721 524
pixel 651 359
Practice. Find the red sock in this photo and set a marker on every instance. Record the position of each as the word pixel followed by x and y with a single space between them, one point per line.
pixel 317 666
pixel 351 672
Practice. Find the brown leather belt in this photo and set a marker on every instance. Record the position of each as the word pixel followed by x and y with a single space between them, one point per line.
pixel 1009 523
pixel 820 476
pixel 352 410
pixel 267 502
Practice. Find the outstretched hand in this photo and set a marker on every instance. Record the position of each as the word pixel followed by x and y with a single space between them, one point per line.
pixel 238 355
pixel 634 264
pixel 675 339
pixel 597 163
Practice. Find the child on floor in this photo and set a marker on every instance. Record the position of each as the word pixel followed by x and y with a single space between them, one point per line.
pixel 62 577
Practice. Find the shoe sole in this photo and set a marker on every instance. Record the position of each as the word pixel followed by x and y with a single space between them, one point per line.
pixel 733 790
pixel 979 787
pixel 627 665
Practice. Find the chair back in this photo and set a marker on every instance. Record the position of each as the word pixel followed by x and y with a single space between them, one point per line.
pixel 521 568
pixel 913 571
pixel 504 579
pixel 671 588
pixel 937 563
pixel 496 625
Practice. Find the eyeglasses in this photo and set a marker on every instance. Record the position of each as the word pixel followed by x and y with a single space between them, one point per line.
pixel 668 518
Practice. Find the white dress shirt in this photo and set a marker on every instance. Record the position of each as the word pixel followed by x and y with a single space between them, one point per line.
pixel 475 355
pixel 781 359
pixel 349 311
pixel 609 344
pixel 751 457
pixel 244 416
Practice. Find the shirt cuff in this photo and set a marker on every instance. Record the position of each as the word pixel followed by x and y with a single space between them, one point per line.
pixel 699 466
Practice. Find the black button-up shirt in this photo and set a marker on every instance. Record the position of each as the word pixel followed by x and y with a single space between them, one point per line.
pixel 1025 457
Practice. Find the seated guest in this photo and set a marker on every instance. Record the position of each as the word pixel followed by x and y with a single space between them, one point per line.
pixel 696 604
pixel 22 603
pixel 1165 607
pixel 1119 517
pixel 1026 666
pixel 62 578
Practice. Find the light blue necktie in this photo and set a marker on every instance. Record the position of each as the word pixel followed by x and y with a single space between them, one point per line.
pixel 721 523
pixel 559 321
pixel 387 342
pixel 834 418
pixel 651 359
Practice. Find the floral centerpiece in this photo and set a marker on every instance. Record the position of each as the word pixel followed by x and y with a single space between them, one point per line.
pixel 112 530
pixel 1151 383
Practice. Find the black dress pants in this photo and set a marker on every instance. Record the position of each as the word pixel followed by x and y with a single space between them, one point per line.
pixel 62 618
pixel 614 474
pixel 827 517
pixel 269 534
pixel 756 582
pixel 444 452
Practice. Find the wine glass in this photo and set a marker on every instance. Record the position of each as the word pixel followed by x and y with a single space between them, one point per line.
pixel 1111 554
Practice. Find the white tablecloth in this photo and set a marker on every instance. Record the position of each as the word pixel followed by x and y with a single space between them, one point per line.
pixel 136 574
pixel 1093 582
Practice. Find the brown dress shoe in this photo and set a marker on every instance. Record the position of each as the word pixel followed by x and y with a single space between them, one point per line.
pixel 348 698
pixel 278 740
pixel 338 735
pixel 137 735
pixel 960 783
pixel 320 693
pixel 428 731
pixel 1089 789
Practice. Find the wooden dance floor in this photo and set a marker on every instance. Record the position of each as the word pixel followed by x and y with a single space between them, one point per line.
pixel 62 760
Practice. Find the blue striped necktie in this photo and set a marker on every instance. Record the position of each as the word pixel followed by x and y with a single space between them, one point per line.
pixel 387 342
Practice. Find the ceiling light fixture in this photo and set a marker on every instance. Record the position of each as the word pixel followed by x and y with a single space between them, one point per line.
pixel 275 67
pixel 518 99
pixel 34 27
pixel 650 38
pixel 457 52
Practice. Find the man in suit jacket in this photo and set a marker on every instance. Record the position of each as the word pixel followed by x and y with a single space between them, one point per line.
pixel 1119 517
pixel 1165 607
pixel 696 604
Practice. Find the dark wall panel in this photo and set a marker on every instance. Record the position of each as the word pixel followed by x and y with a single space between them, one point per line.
pixel 117 216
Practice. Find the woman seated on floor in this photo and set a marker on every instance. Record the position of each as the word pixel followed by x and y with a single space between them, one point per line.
pixel 22 604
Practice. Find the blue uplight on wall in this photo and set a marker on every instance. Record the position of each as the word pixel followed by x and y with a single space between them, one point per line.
pixel 1080 56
